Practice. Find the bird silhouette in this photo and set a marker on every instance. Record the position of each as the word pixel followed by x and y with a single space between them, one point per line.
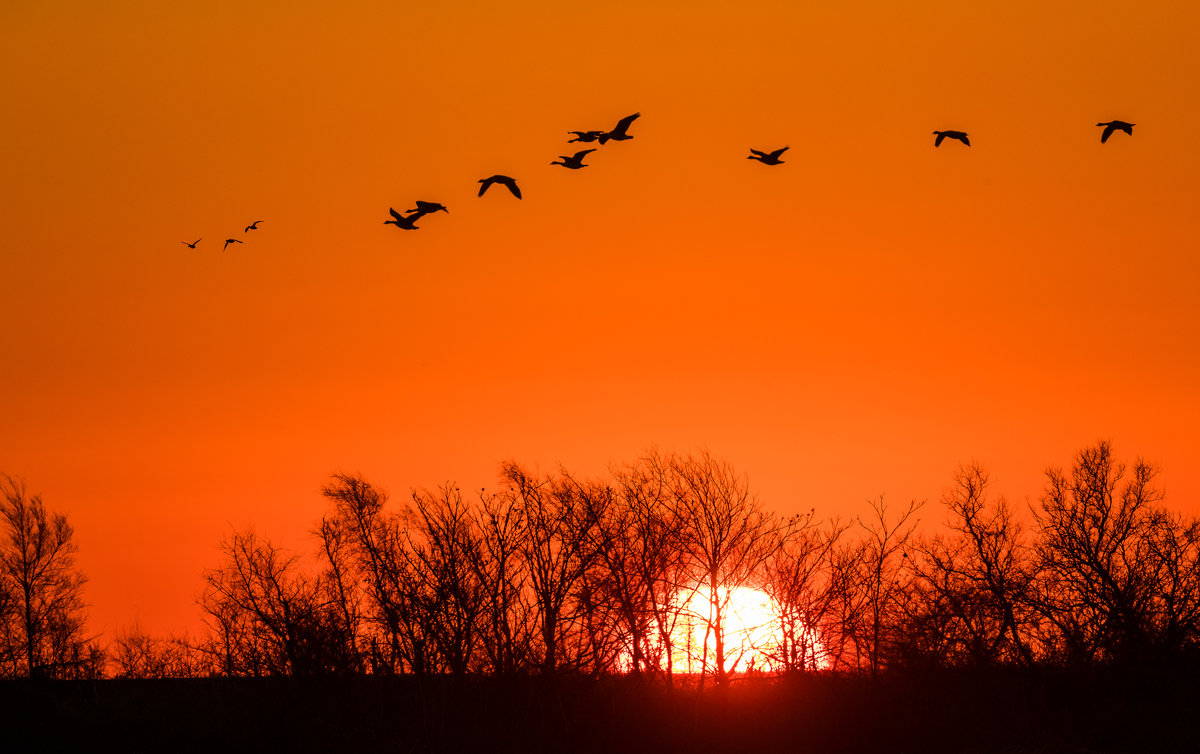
pixel 575 161
pixel 960 135
pixel 504 179
pixel 229 241
pixel 252 226
pixel 1115 125
pixel 768 158
pixel 192 245
pixel 618 133
pixel 425 208
pixel 402 221
pixel 585 136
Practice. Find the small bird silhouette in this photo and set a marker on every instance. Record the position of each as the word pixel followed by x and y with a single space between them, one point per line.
pixel 229 241
pixel 1115 125
pixel 960 135
pixel 575 161
pixel 768 159
pixel 618 133
pixel 425 208
pixel 402 221
pixel 584 136
pixel 504 179
pixel 252 226
pixel 192 245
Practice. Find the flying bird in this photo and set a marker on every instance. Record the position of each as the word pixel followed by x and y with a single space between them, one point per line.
pixel 575 161
pixel 618 133
pixel 960 135
pixel 1115 125
pixel 504 179
pixel 252 226
pixel 229 241
pixel 585 136
pixel 192 245
pixel 425 208
pixel 768 158
pixel 403 222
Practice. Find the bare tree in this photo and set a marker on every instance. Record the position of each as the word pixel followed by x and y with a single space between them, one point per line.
pixel 1174 550
pixel 976 581
pixel 399 637
pixel 727 538
pixel 1097 525
pixel 508 625
pixel 444 554
pixel 555 550
pixel 884 575
pixel 272 618
pixel 344 583
pixel 801 583
pixel 618 572
pixel 654 547
pixel 41 592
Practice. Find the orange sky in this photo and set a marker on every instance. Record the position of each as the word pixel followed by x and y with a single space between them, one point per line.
pixel 857 321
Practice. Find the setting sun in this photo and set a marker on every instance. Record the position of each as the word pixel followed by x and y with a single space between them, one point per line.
pixel 751 632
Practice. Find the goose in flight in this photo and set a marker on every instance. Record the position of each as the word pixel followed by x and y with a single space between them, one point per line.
pixel 229 241
pixel 403 222
pixel 585 136
pixel 511 183
pixel 1115 125
pixel 192 245
pixel 765 158
pixel 252 226
pixel 618 133
pixel 425 208
pixel 960 135
pixel 575 161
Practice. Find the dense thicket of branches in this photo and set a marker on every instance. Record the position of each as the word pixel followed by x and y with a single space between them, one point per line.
pixel 636 574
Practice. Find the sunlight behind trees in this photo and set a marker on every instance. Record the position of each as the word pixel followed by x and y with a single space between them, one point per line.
pixel 670 569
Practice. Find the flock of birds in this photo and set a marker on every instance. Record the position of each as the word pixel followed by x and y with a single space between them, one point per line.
pixel 620 132
pixel 250 227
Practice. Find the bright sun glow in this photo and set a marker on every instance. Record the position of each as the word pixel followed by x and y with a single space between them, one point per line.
pixel 751 632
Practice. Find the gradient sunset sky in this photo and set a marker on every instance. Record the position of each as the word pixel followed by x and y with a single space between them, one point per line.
pixel 855 322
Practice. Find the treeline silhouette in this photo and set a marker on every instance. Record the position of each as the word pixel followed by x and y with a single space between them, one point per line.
pixel 554 611
pixel 554 574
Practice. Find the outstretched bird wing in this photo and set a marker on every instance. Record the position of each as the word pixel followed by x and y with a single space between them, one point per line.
pixel 758 153
pixel 938 141
pixel 1108 131
pixel 965 140
pixel 483 185
pixel 623 124
pixel 775 155
pixel 512 186
pixel 579 155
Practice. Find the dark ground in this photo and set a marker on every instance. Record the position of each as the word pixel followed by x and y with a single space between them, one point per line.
pixel 999 711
